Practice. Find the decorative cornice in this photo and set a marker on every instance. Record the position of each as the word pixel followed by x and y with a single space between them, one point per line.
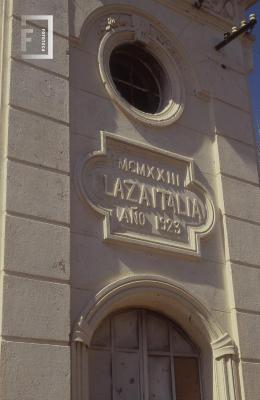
pixel 221 13
pixel 247 3
pixel 222 8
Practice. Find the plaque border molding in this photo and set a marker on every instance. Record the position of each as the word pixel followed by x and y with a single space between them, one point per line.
pixel 195 234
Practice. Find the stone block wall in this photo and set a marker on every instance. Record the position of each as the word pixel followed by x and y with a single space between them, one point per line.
pixel 54 260
pixel 35 262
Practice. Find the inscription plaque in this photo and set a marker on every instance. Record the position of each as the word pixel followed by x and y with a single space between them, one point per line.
pixel 148 196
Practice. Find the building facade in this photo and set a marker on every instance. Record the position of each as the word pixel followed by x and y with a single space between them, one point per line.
pixel 130 212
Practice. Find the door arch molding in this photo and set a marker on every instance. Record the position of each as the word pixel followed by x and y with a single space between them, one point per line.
pixel 174 301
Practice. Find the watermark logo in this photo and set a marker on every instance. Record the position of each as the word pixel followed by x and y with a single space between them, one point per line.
pixel 37 43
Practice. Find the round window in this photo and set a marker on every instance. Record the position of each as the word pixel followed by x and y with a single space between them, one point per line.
pixel 137 76
pixel 142 78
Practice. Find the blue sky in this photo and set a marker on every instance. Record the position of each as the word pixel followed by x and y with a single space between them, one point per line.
pixel 254 78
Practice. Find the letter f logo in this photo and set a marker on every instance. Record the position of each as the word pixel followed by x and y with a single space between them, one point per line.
pixel 24 33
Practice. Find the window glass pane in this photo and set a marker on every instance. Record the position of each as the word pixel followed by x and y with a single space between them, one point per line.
pixel 187 378
pixel 102 335
pixel 157 332
pixel 137 76
pixel 126 330
pixel 126 382
pixel 181 345
pixel 100 375
pixel 160 387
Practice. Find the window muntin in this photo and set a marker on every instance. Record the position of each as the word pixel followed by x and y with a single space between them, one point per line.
pixel 141 355
pixel 137 76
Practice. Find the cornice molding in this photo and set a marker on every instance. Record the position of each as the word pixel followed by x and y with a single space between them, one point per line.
pixel 220 13
pixel 248 3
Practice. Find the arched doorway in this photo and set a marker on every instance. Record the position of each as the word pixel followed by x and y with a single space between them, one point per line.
pixel 139 354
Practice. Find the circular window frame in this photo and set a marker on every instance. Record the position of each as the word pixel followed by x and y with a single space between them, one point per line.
pixel 173 92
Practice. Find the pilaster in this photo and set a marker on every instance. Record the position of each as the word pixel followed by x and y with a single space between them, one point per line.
pixel 35 351
pixel 239 202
